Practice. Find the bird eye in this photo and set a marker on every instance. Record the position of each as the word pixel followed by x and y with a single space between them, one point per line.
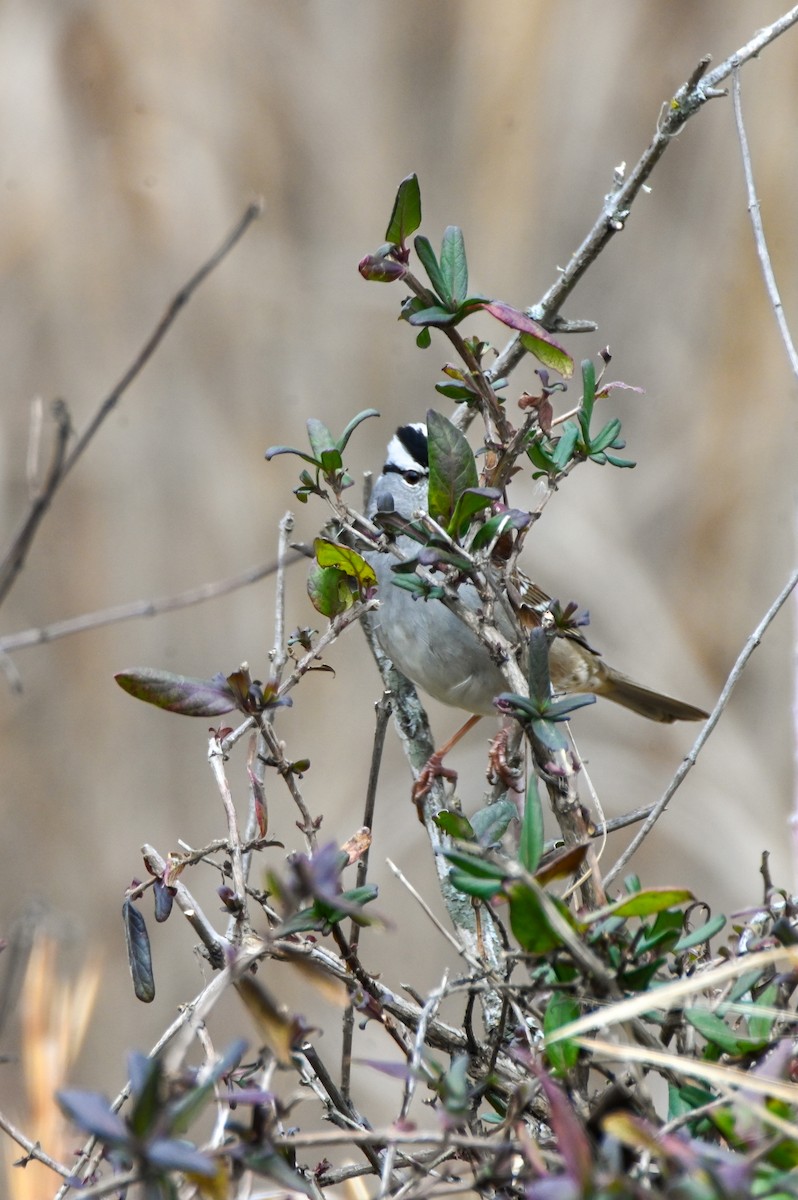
pixel 413 477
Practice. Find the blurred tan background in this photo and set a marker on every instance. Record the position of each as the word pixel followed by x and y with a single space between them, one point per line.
pixel 133 135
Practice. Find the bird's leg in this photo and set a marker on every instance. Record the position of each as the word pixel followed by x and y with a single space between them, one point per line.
pixel 434 768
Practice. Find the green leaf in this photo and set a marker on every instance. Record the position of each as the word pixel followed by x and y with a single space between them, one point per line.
pixel 489 824
pixel 436 315
pixel 455 391
pixel 430 264
pixel 273 451
pixel 588 391
pixel 178 693
pixel 453 1088
pixel 565 445
pixel 471 865
pixel 455 824
pixel 454 267
pixel 451 467
pixel 529 922
pixel 330 590
pixel 551 355
pixel 606 437
pixel 469 503
pixel 352 426
pixel 563 710
pixel 530 841
pixel 406 215
pixel 760 1025
pixel 482 889
pixel 539 677
pixel 641 904
pixel 696 937
pixel 714 1029
pixel 561 1010
pixel 320 438
pixel 344 558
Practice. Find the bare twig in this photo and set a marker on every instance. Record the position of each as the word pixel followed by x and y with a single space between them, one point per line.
pixel 139 608
pixel 15 555
pixel 786 336
pixel 383 708
pixel 61 464
pixel 279 650
pixel 759 232
pixel 689 762
pixel 216 759
pixel 687 101
pixel 276 758
pixel 32 1149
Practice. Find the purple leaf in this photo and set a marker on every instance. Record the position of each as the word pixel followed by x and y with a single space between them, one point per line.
pixel 178 693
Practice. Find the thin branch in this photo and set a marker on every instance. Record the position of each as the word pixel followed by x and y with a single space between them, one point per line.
pixel 62 464
pixel 383 708
pixel 14 558
pixel 216 759
pixel 759 232
pixel 139 608
pixel 32 1149
pixel 688 100
pixel 689 762
pixel 279 650
pixel 276 758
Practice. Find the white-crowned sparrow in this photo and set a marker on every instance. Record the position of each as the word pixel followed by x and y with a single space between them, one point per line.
pixel 431 645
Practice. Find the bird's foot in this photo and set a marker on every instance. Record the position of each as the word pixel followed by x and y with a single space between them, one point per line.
pixel 500 767
pixel 433 769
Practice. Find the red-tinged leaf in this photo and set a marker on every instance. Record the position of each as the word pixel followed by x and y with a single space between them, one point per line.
pixel 178 693
pixel 164 898
pixel 617 385
pixel 572 1140
pixel 377 269
pixel 562 865
pixel 138 953
pixel 534 337
pixel 259 801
